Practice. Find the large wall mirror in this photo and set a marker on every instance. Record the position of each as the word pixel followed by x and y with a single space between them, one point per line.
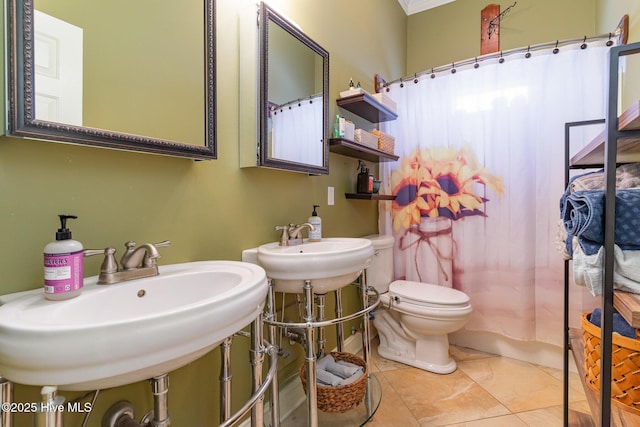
pixel 294 100
pixel 135 76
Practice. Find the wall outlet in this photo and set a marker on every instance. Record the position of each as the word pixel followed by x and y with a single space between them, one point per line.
pixel 330 198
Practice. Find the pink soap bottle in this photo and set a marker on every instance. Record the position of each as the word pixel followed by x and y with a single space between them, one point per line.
pixel 63 264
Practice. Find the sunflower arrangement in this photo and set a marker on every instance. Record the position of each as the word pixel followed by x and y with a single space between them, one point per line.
pixel 439 182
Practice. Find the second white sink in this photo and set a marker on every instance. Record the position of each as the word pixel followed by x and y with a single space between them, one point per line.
pixel 329 264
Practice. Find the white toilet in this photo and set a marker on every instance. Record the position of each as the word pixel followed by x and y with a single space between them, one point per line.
pixel 414 318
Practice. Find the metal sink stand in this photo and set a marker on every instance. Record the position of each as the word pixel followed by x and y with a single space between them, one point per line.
pixel 311 323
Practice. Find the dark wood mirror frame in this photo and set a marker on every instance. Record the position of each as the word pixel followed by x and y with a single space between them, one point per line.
pixel 269 16
pixel 21 88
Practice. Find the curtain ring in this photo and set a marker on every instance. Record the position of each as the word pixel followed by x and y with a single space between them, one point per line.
pixel 501 60
pixel 528 54
pixel 476 65
pixel 433 75
pixel 609 42
pixel 401 83
pixel 556 50
pixel 415 78
pixel 584 44
pixel 453 68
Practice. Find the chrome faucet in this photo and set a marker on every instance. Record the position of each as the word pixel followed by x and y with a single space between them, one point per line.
pixel 137 262
pixel 292 233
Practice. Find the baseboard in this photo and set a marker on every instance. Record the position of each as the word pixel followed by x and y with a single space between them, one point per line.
pixel 292 395
pixel 528 351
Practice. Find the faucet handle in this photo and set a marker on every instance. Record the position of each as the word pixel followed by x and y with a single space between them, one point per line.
pixel 284 238
pixel 109 264
pixel 163 244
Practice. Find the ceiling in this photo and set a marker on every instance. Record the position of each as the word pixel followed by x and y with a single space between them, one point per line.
pixel 415 6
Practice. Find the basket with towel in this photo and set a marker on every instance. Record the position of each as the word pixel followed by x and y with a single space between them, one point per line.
pixel 625 360
pixel 341 381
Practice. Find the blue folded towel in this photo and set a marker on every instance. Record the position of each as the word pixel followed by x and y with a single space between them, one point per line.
pixel 620 325
pixel 583 216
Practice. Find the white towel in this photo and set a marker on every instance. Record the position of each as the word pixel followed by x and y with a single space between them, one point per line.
pixel 587 270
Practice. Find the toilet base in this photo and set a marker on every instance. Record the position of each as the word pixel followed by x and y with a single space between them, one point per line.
pixel 430 352
pixel 445 368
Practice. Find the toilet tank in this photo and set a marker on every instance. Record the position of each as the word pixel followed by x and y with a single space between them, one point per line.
pixel 380 271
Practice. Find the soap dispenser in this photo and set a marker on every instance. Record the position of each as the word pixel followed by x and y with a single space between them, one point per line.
pixel 63 264
pixel 365 179
pixel 315 235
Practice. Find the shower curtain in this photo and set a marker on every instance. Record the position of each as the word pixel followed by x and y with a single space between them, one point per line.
pixel 479 178
pixel 296 131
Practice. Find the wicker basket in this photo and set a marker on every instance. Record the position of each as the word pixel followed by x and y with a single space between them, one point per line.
pixel 343 397
pixel 385 142
pixel 625 366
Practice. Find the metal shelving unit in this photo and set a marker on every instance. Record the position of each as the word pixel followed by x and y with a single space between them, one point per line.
pixel 618 143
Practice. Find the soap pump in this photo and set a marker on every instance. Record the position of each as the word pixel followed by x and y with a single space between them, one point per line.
pixel 315 235
pixel 365 179
pixel 63 264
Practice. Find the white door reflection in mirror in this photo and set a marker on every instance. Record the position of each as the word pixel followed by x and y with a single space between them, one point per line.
pixel 58 70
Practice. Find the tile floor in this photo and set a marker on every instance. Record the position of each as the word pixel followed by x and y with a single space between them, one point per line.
pixel 485 391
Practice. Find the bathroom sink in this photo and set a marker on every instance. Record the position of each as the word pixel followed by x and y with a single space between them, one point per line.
pixel 111 335
pixel 329 264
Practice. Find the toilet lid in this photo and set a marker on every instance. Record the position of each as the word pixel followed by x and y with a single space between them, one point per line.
pixel 418 292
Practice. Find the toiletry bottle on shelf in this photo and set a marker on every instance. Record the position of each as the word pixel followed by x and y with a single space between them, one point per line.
pixel 365 179
pixel 316 234
pixel 336 127
pixel 63 264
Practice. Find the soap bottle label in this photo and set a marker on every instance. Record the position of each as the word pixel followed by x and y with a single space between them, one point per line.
pixel 63 272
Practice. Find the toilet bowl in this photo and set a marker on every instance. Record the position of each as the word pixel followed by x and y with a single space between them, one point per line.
pixel 414 319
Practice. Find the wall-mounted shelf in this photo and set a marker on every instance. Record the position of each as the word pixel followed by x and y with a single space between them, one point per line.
pixel 367 107
pixel 350 148
pixel 366 196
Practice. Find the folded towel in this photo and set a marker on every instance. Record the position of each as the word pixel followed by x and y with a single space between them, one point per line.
pixel 587 270
pixel 324 361
pixel 353 378
pixel 583 216
pixel 340 368
pixel 620 325
pixel 344 369
pixel 627 176
pixel 327 378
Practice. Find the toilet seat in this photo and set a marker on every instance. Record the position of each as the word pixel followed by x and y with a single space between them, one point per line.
pixel 427 295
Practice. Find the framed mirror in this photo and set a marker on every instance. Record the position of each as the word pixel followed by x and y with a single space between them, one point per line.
pixel 114 74
pixel 294 97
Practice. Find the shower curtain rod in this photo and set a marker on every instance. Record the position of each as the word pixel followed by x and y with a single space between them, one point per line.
pixel 310 98
pixel 620 34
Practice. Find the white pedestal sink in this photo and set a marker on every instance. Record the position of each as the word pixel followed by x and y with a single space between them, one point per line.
pixel 329 264
pixel 118 334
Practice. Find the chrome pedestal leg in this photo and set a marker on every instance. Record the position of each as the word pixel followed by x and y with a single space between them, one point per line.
pixel 339 329
pixel 322 341
pixel 6 396
pixel 257 359
pixel 310 358
pixel 275 392
pixel 225 379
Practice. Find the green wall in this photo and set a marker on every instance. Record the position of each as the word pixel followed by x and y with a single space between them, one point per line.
pixel 209 209
pixel 451 32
